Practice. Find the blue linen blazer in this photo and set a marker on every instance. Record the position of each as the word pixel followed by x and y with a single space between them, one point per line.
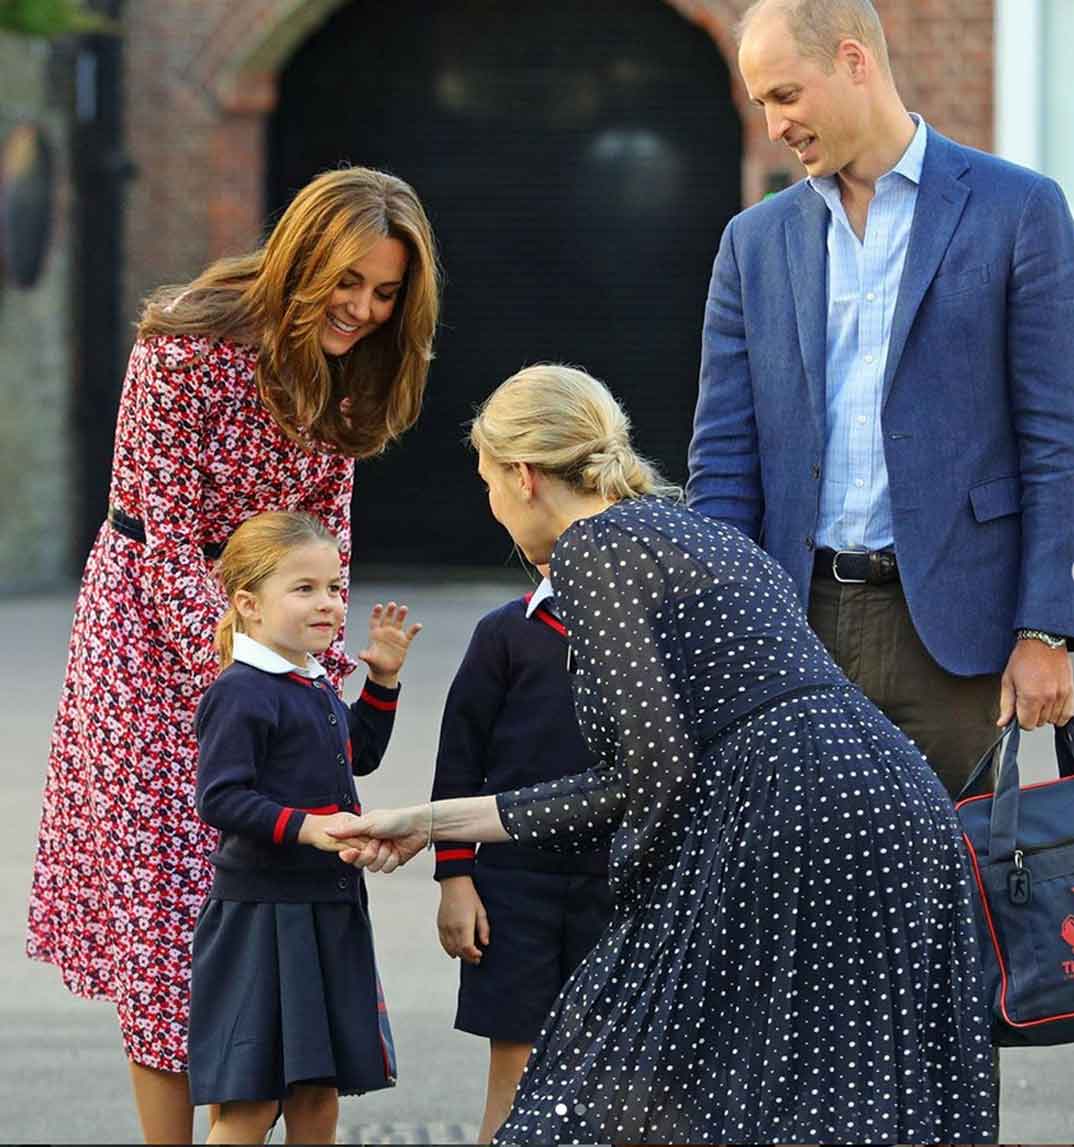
pixel 977 408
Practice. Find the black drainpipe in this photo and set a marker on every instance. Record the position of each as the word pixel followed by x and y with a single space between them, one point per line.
pixel 99 170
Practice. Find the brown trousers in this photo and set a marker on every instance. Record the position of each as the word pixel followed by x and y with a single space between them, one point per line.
pixel 868 631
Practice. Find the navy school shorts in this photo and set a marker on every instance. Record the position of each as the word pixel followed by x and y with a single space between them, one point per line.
pixel 541 926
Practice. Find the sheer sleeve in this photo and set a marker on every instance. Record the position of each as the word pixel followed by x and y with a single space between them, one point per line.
pixel 612 591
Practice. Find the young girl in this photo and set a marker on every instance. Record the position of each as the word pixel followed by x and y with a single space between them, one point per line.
pixel 521 919
pixel 286 1005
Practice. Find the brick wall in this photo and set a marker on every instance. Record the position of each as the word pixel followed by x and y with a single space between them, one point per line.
pixel 201 81
pixel 941 55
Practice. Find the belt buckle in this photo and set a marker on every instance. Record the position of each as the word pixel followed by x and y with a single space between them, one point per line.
pixel 835 569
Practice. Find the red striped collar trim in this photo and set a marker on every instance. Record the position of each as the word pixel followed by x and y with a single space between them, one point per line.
pixel 553 622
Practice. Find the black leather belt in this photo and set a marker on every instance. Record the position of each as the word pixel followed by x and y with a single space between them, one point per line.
pixel 134 528
pixel 857 567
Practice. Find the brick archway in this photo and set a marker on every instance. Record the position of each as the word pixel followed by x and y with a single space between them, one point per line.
pixel 201 84
pixel 243 83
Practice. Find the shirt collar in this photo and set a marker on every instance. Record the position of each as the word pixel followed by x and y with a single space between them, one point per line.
pixel 541 594
pixel 251 652
pixel 909 165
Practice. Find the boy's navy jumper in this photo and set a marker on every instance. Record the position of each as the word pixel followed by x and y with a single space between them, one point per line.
pixel 508 723
pixel 284 985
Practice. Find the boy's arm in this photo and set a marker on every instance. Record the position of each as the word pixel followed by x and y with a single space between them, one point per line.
pixel 473 703
pixel 370 720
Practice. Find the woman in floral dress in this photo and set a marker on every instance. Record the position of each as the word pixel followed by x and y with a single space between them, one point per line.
pixel 792 955
pixel 255 387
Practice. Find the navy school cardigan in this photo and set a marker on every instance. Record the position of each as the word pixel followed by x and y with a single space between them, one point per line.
pixel 508 723
pixel 273 747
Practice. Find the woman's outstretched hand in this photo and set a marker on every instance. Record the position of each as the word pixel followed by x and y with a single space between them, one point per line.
pixel 384 839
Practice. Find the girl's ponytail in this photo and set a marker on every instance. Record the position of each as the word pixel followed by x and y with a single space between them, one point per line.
pixel 225 637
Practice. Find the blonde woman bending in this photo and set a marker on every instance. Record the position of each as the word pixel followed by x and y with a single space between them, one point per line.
pixel 253 388
pixel 791 956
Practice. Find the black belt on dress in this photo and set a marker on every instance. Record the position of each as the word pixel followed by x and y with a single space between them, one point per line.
pixel 857 567
pixel 134 528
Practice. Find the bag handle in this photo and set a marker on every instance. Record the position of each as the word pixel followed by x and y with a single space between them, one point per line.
pixel 1064 755
pixel 1064 748
pixel 1003 830
pixel 988 762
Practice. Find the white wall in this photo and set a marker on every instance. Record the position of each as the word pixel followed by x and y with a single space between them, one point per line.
pixel 1035 86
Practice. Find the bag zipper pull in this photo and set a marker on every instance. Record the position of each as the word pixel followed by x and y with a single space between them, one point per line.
pixel 1019 881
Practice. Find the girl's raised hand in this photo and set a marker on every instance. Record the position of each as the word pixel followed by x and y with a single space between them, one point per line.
pixel 389 641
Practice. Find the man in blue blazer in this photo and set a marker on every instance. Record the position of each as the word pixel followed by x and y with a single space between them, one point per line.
pixel 887 391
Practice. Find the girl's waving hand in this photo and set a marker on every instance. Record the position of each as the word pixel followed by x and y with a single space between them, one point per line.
pixel 389 641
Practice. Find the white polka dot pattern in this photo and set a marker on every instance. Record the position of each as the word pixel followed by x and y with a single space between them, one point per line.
pixel 792 956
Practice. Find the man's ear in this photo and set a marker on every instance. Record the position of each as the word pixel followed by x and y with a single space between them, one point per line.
pixel 854 57
pixel 247 606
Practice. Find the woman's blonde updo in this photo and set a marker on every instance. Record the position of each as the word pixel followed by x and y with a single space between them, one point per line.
pixel 567 424
pixel 252 554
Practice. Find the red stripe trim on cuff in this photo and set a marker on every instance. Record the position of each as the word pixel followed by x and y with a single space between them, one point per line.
pixel 377 703
pixel 456 854
pixel 323 810
pixel 281 825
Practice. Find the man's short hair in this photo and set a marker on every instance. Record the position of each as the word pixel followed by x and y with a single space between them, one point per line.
pixel 820 26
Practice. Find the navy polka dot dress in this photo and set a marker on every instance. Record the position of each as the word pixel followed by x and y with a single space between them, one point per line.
pixel 792 955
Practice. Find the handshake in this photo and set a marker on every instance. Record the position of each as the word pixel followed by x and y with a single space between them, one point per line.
pixel 380 841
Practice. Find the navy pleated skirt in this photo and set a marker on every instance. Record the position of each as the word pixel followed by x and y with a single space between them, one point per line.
pixel 284 994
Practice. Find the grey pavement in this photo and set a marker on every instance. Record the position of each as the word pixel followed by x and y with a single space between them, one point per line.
pixel 63 1077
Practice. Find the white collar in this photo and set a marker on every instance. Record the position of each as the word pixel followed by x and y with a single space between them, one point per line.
pixel 542 593
pixel 251 652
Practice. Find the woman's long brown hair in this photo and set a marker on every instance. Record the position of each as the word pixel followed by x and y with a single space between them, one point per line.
pixel 276 297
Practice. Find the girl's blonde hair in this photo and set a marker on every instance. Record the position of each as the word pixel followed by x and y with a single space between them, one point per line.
pixel 276 297
pixel 252 553
pixel 567 424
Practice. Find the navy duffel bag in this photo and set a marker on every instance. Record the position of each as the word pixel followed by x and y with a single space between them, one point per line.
pixel 1021 846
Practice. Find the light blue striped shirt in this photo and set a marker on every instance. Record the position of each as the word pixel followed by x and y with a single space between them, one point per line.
pixel 863 284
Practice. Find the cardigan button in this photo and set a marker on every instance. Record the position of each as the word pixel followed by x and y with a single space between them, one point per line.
pixel 340 759
pixel 332 719
pixel 342 884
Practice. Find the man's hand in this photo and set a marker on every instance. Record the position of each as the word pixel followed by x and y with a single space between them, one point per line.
pixel 462 921
pixel 1038 685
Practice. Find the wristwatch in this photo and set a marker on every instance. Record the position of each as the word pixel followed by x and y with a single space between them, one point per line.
pixel 1049 639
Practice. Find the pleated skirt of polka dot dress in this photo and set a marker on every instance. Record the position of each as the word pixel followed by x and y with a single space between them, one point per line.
pixel 805 971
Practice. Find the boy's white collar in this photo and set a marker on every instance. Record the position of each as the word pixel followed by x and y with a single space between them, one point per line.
pixel 542 593
pixel 251 652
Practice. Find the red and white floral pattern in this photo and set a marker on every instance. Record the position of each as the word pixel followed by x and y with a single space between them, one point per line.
pixel 122 864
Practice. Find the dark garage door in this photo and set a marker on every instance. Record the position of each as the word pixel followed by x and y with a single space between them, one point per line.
pixel 578 159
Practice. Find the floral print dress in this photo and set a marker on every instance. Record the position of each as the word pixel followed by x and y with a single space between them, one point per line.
pixel 122 863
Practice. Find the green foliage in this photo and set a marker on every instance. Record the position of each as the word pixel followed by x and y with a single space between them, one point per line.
pixel 50 18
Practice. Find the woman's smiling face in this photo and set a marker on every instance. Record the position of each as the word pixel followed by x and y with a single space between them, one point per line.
pixel 365 297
